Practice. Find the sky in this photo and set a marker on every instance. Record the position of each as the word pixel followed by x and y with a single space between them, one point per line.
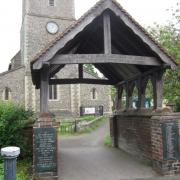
pixel 146 12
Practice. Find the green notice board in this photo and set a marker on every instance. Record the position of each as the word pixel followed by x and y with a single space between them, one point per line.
pixel 170 131
pixel 45 150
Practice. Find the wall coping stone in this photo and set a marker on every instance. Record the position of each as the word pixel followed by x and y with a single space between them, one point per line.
pixel 160 113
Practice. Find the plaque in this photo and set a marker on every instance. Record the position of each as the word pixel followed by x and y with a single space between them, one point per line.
pixel 45 150
pixel 170 132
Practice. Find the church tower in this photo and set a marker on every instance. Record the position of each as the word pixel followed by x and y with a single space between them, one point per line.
pixel 43 21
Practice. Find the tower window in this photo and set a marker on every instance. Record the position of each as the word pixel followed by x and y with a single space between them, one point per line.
pixel 53 93
pixel 7 94
pixel 51 3
pixel 94 94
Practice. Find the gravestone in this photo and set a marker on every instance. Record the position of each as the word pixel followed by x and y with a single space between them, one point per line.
pixel 45 147
pixel 170 132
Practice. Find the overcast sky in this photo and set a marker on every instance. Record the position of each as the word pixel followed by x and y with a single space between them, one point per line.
pixel 146 12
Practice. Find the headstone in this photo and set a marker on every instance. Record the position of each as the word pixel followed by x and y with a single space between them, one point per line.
pixel 170 133
pixel 45 147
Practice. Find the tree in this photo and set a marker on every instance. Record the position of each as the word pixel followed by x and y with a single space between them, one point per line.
pixel 90 69
pixel 169 37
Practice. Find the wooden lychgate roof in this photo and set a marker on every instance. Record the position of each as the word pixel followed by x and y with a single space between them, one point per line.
pixel 110 39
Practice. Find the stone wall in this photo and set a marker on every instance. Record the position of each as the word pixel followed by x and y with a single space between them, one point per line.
pixel 72 97
pixel 14 80
pixel 103 97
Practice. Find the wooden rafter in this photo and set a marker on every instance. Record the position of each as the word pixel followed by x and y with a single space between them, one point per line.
pixel 80 81
pixel 105 58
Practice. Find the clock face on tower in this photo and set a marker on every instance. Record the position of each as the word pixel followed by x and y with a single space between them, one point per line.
pixel 52 27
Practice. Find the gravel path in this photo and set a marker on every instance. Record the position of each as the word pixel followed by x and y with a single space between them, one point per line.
pixel 86 158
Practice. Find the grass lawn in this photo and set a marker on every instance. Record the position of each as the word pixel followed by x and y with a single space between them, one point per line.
pixel 88 129
pixel 23 167
pixel 87 118
pixel 108 141
pixel 95 125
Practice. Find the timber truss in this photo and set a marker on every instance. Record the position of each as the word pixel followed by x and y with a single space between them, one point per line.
pixel 110 39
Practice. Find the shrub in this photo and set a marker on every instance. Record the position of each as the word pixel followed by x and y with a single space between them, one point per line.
pixel 13 119
pixel 177 105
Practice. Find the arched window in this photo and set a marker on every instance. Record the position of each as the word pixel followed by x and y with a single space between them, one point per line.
pixel 7 94
pixel 53 92
pixel 94 94
pixel 51 2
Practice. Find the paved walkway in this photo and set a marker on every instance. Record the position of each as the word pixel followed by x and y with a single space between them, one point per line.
pixel 86 158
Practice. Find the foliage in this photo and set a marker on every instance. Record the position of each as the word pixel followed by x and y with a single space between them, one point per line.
pixel 113 93
pixel 22 169
pixel 13 119
pixel 95 125
pixel 169 37
pixel 108 141
pixel 90 69
pixel 1 170
pixel 87 118
pixel 177 105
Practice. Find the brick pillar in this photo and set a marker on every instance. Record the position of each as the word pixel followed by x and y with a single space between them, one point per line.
pixel 164 136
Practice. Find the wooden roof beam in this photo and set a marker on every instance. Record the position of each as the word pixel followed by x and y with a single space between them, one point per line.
pixel 104 59
pixel 107 33
pixel 80 81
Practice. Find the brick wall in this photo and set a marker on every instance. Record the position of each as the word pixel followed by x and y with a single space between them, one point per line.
pixel 140 133
pixel 160 164
pixel 134 134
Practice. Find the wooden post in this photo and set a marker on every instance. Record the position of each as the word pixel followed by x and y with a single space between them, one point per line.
pixel 119 91
pixel 157 83
pixel 80 71
pixel 44 90
pixel 107 33
pixel 129 92
pixel 141 84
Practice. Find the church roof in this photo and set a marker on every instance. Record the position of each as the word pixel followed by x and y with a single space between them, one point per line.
pixel 90 15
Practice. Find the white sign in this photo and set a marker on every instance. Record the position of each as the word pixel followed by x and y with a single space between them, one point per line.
pixel 89 111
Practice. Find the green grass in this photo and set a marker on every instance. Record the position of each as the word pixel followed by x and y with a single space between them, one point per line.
pixel 23 167
pixel 108 141
pixel 89 129
pixel 95 125
pixel 87 118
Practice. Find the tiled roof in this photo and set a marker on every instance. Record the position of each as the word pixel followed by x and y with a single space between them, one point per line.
pixel 76 23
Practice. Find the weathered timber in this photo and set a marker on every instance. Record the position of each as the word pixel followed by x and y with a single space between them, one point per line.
pixel 89 19
pixel 119 92
pixel 157 83
pixel 105 58
pixel 129 87
pixel 44 90
pixel 147 73
pixel 69 36
pixel 140 33
pixel 141 86
pixel 80 81
pixel 80 67
pixel 107 33
pixel 106 73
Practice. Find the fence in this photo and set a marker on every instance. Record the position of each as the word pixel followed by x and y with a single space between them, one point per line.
pixel 77 125
pixel 68 127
